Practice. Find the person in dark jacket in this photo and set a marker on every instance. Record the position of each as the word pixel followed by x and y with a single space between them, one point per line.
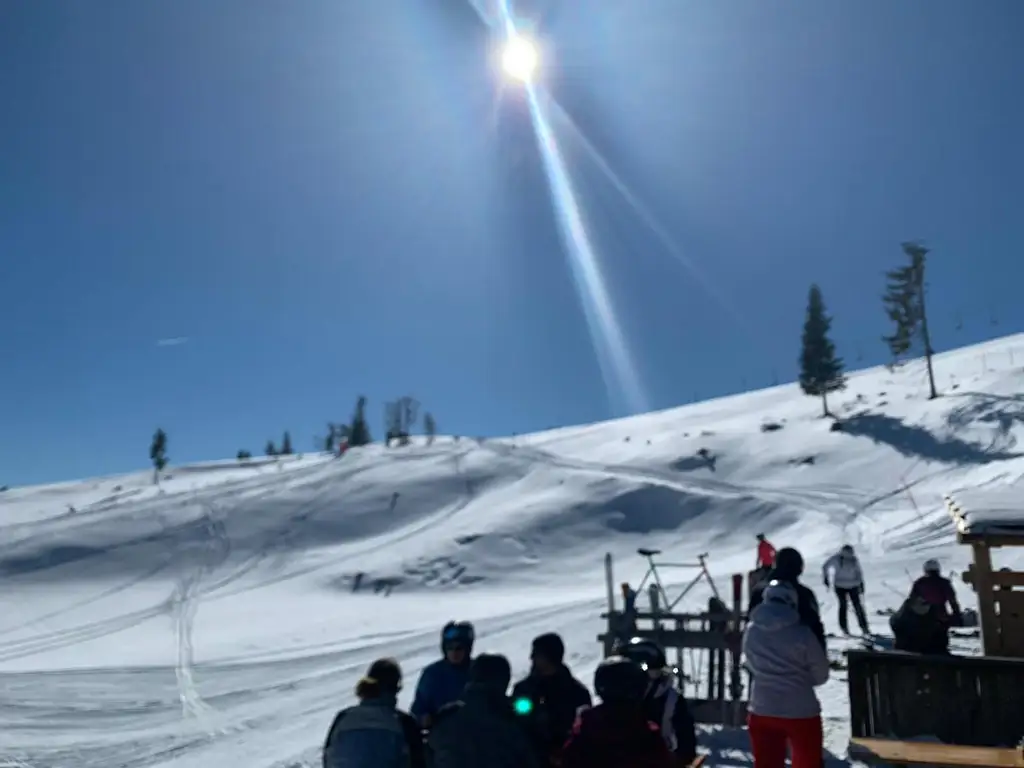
pixel 442 682
pixel 789 565
pixel 374 733
pixel 922 623
pixel 663 703
pixel 550 698
pixel 616 733
pixel 482 730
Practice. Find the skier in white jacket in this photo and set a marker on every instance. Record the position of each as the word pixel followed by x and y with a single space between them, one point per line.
pixel 848 580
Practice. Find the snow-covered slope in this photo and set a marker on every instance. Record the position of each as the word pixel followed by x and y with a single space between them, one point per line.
pixel 212 620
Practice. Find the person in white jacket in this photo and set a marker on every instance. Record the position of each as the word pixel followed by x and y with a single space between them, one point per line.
pixel 786 662
pixel 848 581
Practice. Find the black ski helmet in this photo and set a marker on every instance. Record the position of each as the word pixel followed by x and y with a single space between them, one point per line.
pixel 645 653
pixel 789 563
pixel 457 633
pixel 619 680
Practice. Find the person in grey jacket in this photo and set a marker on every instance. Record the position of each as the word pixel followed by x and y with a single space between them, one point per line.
pixel 786 663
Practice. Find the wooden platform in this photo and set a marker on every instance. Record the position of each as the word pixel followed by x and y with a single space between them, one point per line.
pixel 972 701
pixel 931 753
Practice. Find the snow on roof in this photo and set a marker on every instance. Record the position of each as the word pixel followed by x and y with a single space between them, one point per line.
pixel 989 512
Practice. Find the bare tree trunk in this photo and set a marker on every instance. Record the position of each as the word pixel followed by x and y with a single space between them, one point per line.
pixel 928 351
pixel 824 404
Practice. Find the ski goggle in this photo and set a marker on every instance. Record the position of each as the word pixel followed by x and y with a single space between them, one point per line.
pixel 456 636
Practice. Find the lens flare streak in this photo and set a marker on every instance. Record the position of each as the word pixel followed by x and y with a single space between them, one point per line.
pixel 613 356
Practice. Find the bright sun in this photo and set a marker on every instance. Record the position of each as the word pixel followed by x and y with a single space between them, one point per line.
pixel 519 59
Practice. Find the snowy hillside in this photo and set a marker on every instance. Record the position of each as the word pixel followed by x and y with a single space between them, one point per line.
pixel 212 620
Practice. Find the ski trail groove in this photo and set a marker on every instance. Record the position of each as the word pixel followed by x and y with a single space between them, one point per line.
pixel 185 602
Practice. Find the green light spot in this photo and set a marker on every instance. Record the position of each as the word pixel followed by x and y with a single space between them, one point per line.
pixel 523 706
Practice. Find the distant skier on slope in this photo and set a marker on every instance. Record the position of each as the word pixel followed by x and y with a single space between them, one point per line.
pixel 616 733
pixel 786 664
pixel 442 682
pixel 922 623
pixel 789 564
pixel 848 579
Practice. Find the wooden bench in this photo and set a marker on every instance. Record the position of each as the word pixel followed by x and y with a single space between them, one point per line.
pixel 932 753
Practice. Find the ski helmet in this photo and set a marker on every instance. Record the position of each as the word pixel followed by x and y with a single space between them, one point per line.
pixel 789 563
pixel 781 592
pixel 847 549
pixel 457 634
pixel 645 653
pixel 619 680
pixel 760 537
pixel 932 567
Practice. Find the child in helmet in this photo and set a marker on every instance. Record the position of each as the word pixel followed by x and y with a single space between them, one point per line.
pixel 663 704
pixel 616 733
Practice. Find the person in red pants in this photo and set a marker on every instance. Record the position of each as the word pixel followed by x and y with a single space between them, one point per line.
pixel 786 664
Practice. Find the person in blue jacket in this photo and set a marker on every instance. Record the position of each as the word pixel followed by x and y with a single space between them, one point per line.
pixel 443 681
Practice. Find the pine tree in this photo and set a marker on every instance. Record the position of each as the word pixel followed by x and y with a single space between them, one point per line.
pixel 821 371
pixel 271 449
pixel 359 431
pixel 286 445
pixel 244 455
pixel 158 454
pixel 904 304
pixel 429 427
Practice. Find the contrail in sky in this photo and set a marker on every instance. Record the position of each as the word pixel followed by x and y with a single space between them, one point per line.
pixel 175 341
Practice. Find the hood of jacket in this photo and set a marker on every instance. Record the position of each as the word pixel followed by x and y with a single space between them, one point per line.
pixel 774 617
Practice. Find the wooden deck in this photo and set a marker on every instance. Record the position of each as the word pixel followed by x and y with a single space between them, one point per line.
pixel 959 700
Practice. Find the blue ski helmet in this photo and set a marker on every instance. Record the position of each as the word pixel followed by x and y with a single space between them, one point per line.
pixel 457 634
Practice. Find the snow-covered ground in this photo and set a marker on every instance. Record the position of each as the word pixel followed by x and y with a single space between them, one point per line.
pixel 211 620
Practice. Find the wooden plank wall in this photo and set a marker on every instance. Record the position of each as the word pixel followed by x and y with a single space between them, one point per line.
pixel 968 700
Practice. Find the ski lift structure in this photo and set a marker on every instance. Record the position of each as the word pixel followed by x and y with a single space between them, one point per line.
pixel 705 644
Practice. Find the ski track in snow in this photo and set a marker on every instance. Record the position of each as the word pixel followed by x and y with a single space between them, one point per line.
pixel 210 620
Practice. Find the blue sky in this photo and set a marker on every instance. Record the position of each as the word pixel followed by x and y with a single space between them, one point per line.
pixel 329 199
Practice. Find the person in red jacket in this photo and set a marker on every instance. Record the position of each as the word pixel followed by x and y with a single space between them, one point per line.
pixel 765 553
pixel 616 733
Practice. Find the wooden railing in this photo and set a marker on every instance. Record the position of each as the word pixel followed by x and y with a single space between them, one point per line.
pixel 972 701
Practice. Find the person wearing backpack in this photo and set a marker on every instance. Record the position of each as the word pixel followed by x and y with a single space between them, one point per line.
pixel 789 566
pixel 922 623
pixel 616 733
pixel 375 733
pixel 663 703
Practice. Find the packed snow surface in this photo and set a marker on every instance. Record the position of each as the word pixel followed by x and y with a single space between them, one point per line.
pixel 211 620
